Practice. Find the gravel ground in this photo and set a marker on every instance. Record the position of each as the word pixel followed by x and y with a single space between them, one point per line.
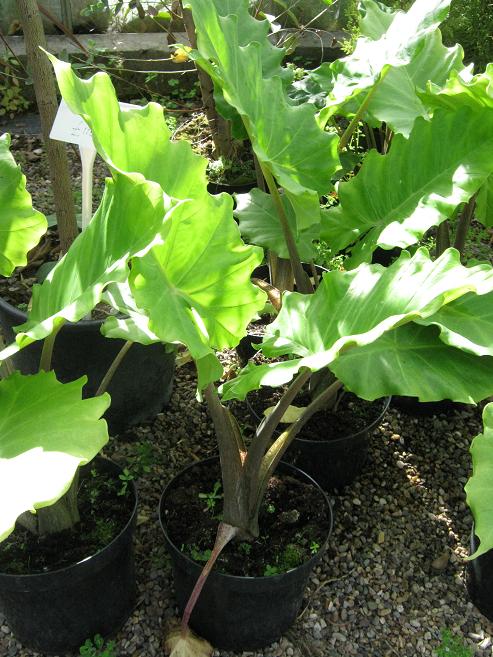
pixel 393 577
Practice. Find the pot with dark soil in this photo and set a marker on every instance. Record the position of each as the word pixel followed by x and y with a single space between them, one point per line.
pixel 239 608
pixel 57 590
pixel 141 385
pixel 332 447
pixel 66 520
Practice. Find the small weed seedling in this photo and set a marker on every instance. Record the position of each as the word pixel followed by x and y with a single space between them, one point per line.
pixel 314 547
pixel 98 648
pixel 125 477
pixel 212 497
pixel 271 570
pixel 452 646
pixel 246 548
pixel 199 555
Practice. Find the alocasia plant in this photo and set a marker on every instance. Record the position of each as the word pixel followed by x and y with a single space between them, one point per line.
pixel 479 488
pixel 46 430
pixel 413 328
pixel 21 225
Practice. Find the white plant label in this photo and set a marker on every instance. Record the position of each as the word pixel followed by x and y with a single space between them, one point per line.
pixel 72 129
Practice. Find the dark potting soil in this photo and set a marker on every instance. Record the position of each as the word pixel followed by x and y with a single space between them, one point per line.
pixel 104 513
pixel 351 415
pixel 293 524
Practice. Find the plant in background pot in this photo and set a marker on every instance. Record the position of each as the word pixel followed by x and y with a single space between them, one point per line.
pixel 479 490
pixel 67 570
pixel 395 63
pixel 80 348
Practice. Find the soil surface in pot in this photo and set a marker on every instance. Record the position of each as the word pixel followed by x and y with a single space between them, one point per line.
pixel 293 524
pixel 105 506
pixel 351 416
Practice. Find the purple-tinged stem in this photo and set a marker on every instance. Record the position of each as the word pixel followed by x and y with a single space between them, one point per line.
pixel 225 533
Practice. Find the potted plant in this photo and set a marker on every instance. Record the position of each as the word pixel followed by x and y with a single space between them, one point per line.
pixel 80 348
pixel 364 325
pixel 67 571
pixel 479 495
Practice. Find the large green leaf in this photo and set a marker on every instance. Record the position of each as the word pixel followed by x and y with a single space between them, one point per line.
pixel 371 59
pixel 413 360
pixel 21 226
pixel 130 219
pixel 195 287
pixel 132 140
pixel 46 432
pixel 286 138
pixel 351 310
pixel 479 488
pixel 396 197
pixel 375 19
pixel 461 89
pixel 259 224
pixel 484 203
pixel 466 323
pixel 396 101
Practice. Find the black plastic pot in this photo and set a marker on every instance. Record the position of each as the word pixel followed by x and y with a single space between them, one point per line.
pixel 141 386
pixel 55 612
pixel 480 579
pixel 241 613
pixel 332 463
pixel 242 188
pixel 412 406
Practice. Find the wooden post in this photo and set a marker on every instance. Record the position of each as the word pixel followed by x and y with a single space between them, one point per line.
pixel 220 127
pixel 46 98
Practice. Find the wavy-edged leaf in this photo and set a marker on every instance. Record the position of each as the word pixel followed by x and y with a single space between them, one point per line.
pixel 195 287
pixel 466 323
pixel 461 90
pixel 411 360
pixel 259 224
pixel 358 72
pixel 396 101
pixel 21 226
pixel 353 309
pixel 47 431
pixel 396 197
pixel 130 219
pixel 132 139
pixel 286 138
pixel 479 488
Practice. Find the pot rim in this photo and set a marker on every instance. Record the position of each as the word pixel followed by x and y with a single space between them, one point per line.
pixel 310 563
pixel 71 326
pixel 334 441
pixel 58 571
